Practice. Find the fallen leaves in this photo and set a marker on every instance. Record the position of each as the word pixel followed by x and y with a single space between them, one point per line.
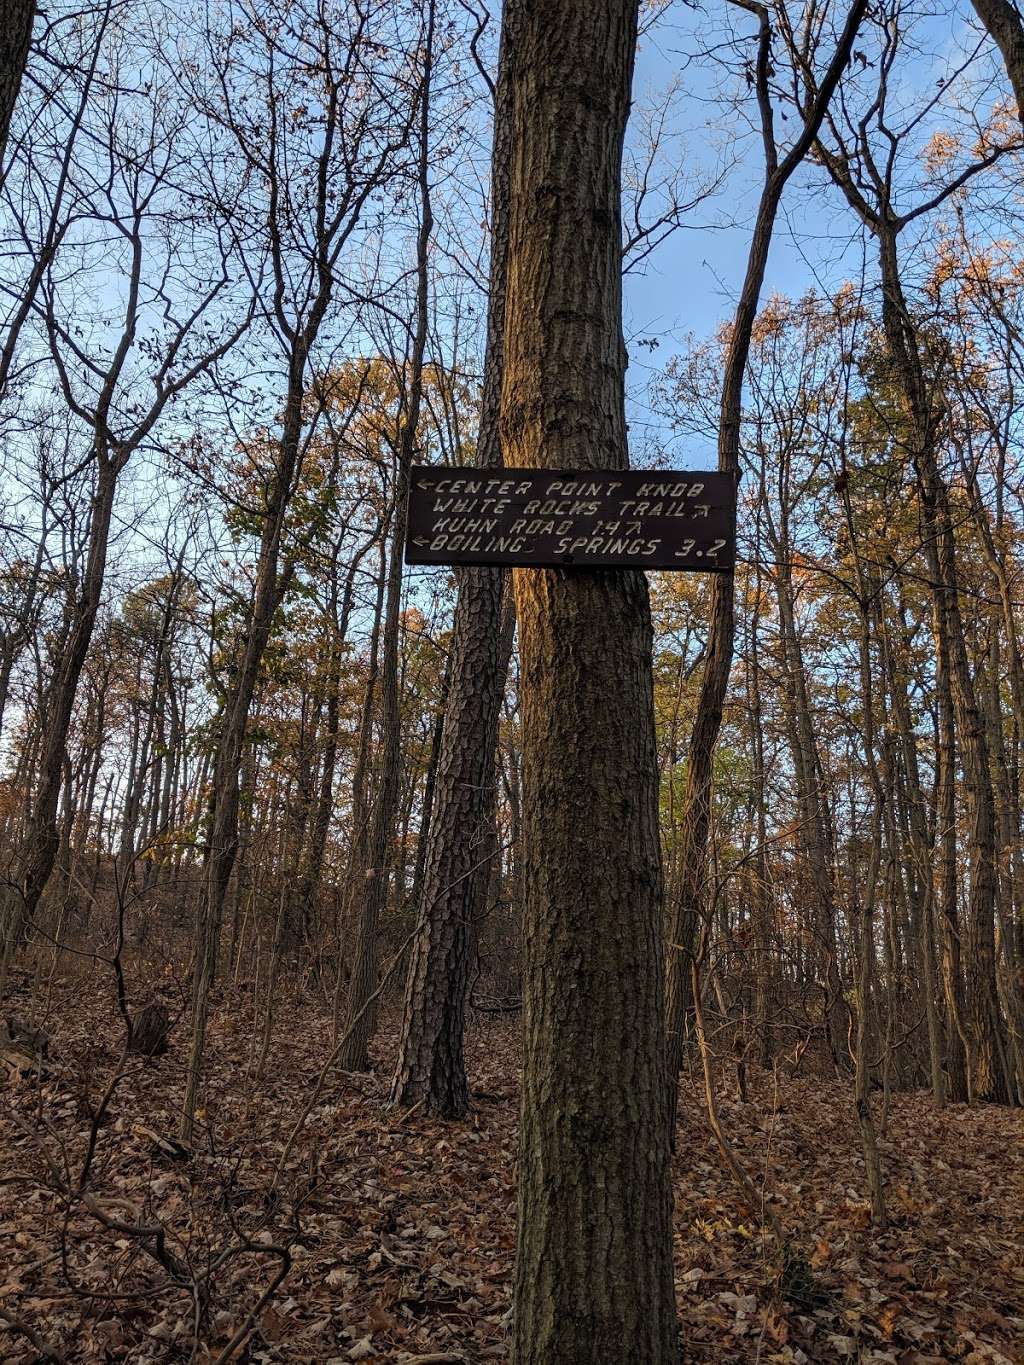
pixel 401 1229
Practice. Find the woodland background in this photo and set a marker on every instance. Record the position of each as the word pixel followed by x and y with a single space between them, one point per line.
pixel 246 252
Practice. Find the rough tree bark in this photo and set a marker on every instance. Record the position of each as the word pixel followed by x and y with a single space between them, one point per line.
pixel 431 1066
pixel 593 1274
pixel 1004 25
pixel 15 36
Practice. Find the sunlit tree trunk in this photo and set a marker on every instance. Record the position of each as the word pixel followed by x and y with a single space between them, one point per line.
pixel 593 1276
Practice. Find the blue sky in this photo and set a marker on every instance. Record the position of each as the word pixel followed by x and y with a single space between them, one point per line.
pixel 689 285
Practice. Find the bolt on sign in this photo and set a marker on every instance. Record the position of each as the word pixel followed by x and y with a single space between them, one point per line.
pixel 586 519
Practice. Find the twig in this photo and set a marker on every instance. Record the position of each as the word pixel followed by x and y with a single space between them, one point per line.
pixel 760 1207
pixel 146 1233
pixel 333 1057
pixel 44 1349
pixel 249 1323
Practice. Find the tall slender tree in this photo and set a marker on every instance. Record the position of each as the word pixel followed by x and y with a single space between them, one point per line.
pixel 914 369
pixel 778 170
pixel 139 189
pixel 363 984
pixel 431 1068
pixel 348 138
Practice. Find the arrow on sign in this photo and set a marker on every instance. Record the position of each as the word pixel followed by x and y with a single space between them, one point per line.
pixel 419 540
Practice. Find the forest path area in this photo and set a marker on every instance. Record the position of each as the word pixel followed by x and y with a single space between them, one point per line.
pixel 401 1229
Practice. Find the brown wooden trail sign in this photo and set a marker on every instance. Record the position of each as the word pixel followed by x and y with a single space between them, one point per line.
pixel 585 519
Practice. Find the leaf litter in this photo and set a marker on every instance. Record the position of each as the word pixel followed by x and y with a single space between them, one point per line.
pixel 400 1230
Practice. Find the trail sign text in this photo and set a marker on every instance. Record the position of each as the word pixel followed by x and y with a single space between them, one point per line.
pixel 592 519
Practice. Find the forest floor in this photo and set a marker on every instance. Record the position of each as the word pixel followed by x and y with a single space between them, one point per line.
pixel 400 1230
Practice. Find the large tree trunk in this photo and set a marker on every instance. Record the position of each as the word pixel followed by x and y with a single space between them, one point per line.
pixel 1002 20
pixel 431 1066
pixel 429 786
pixel 15 36
pixel 593 1274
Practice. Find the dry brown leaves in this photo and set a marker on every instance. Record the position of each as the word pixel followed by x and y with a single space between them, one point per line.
pixel 401 1229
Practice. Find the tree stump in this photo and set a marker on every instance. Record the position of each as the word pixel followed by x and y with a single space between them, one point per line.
pixel 149 1031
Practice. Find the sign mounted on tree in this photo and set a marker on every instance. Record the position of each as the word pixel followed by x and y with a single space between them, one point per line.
pixel 584 519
